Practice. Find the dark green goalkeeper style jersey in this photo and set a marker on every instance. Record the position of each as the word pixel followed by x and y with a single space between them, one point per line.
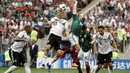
pixel 77 24
pixel 85 41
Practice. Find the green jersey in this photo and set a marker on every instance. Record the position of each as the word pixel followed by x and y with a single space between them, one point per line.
pixel 85 41
pixel 76 25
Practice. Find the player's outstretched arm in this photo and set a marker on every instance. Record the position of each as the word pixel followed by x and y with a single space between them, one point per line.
pixel 114 43
pixel 75 7
pixel 66 33
pixel 95 48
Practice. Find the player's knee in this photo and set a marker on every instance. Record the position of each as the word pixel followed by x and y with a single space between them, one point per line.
pixel 77 47
pixel 48 47
pixel 105 65
pixel 59 52
pixel 110 65
pixel 27 64
pixel 87 64
pixel 99 66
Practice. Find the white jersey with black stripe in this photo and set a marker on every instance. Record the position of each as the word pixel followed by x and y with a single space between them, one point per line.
pixel 104 42
pixel 18 46
pixel 58 26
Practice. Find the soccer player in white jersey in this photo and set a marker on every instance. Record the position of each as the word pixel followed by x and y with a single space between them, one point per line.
pixel 104 53
pixel 16 50
pixel 58 26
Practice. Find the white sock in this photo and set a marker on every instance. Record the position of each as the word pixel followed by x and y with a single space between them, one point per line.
pixel 27 68
pixel 109 70
pixel 12 68
pixel 55 58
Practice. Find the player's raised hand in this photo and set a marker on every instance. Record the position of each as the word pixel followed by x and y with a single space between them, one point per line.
pixel 96 53
pixel 75 1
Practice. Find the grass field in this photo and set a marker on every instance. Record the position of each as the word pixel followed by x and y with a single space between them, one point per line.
pixel 21 70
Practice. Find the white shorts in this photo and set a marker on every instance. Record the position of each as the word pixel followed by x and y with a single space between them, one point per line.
pixel 73 39
pixel 85 55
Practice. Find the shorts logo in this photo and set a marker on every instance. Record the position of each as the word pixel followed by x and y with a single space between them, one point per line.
pixel 48 41
pixel 61 46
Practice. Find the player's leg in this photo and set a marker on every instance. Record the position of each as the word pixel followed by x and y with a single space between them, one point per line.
pixel 100 62
pixel 46 50
pixel 26 60
pixel 69 50
pixel 87 57
pixel 56 57
pixel 109 60
pixel 52 52
pixel 14 57
pixel 56 42
pixel 75 59
pixel 79 67
pixel 80 56
pixel 75 46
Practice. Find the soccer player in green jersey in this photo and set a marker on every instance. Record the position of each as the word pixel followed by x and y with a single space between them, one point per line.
pixel 76 28
pixel 75 31
pixel 85 52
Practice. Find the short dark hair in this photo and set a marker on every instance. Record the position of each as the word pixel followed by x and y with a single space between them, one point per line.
pixel 106 27
pixel 27 26
pixel 101 27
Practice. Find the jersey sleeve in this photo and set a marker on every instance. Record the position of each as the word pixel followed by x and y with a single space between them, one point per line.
pixel 74 16
pixel 26 36
pixel 67 25
pixel 20 35
pixel 53 19
pixel 111 37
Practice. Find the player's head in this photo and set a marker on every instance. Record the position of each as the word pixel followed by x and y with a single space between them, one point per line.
pixel 80 15
pixel 61 11
pixel 106 29
pixel 101 29
pixel 28 29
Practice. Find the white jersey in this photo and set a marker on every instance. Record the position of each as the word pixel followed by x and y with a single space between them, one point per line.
pixel 18 46
pixel 58 26
pixel 104 42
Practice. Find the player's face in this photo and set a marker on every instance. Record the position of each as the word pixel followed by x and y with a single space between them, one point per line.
pixel 106 30
pixel 59 13
pixel 81 15
pixel 29 30
pixel 101 31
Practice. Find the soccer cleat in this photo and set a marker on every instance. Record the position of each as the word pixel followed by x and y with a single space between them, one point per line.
pixel 74 65
pixel 49 67
pixel 62 55
pixel 43 65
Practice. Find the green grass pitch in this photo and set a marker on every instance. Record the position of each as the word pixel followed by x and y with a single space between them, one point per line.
pixel 34 70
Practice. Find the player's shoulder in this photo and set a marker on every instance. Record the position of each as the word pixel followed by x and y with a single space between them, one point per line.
pixel 23 32
pixel 107 34
pixel 54 18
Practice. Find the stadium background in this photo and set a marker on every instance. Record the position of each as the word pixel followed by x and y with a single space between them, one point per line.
pixel 123 65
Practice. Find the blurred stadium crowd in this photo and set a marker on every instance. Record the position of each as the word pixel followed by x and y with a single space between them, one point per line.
pixel 14 14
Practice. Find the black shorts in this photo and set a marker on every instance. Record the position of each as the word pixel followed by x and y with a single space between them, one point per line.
pixel 18 59
pixel 55 42
pixel 104 58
